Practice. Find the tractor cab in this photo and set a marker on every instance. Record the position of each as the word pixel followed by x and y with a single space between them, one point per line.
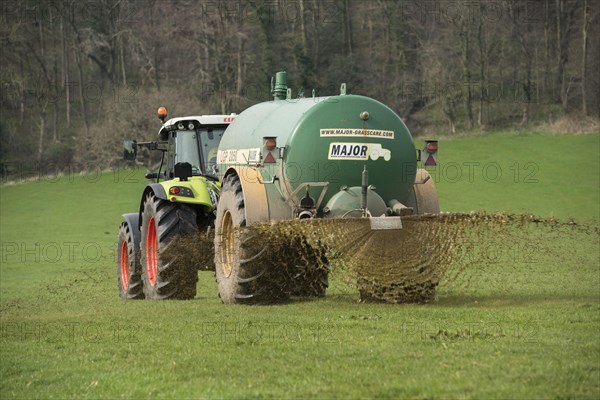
pixel 194 140
pixel 189 145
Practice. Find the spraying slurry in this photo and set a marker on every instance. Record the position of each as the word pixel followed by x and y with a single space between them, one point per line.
pixel 450 250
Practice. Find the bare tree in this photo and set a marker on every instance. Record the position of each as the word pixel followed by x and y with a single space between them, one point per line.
pixel 462 25
pixel 584 55
pixel 565 11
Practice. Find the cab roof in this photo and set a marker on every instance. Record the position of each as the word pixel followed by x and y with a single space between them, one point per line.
pixel 201 120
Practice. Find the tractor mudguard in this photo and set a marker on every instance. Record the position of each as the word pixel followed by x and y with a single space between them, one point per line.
pixel 133 220
pixel 158 191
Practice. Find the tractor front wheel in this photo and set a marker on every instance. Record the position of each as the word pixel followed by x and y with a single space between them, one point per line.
pixel 165 273
pixel 129 277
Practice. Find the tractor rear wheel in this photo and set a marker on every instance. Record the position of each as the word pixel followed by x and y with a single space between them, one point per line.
pixel 165 273
pixel 242 272
pixel 129 278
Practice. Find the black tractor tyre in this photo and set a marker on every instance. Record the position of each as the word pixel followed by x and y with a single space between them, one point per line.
pixel 129 277
pixel 242 269
pixel 166 271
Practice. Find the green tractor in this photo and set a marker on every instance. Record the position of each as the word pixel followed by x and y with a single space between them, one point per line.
pixel 180 201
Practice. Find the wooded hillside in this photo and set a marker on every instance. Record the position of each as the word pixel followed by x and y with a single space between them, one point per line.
pixel 78 77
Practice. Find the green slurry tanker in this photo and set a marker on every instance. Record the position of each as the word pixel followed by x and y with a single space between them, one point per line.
pixel 336 157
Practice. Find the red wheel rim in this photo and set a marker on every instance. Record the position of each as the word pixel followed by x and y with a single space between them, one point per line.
pixel 151 252
pixel 124 264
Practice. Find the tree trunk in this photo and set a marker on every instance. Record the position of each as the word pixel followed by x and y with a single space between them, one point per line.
pixel 21 96
pixel 114 40
pixel 55 92
pixel 316 25
pixel 240 72
pixel 523 38
pixel 55 84
pixel 41 38
pixel 40 150
pixel 527 89
pixel 482 64
pixel 466 61
pixel 559 52
pixel 370 28
pixel 584 107
pixel 82 94
pixel 218 75
pixel 55 137
pixel 383 83
pixel 122 51
pixel 547 48
pixel 303 27
pixel 450 112
pixel 564 15
pixel 65 72
pixel 347 27
pixel 305 73
pixel 78 61
pixel 156 44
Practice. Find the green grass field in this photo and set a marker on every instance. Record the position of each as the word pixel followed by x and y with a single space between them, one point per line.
pixel 520 328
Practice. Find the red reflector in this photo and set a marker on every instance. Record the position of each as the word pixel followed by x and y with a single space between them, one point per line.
pixel 174 190
pixel 270 143
pixel 432 147
pixel 269 159
pixel 173 198
pixel 430 162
